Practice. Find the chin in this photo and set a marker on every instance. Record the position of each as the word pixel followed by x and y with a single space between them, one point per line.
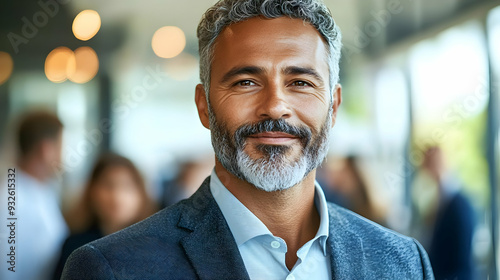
pixel 273 172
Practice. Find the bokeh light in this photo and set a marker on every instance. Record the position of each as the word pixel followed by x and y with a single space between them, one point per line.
pixel 87 65
pixel 86 24
pixel 60 64
pixel 6 66
pixel 168 41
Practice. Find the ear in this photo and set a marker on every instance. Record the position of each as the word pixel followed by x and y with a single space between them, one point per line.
pixel 202 106
pixel 337 99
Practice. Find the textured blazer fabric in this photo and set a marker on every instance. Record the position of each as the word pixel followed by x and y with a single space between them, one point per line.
pixel 191 240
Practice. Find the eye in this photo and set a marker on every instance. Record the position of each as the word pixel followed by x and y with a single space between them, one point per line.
pixel 245 83
pixel 301 84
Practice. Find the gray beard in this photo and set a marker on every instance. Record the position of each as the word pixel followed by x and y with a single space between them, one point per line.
pixel 274 171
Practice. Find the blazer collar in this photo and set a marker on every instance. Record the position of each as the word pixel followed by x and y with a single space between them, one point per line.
pixel 210 246
pixel 213 252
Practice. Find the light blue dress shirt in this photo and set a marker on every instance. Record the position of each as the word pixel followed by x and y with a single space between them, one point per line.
pixel 263 253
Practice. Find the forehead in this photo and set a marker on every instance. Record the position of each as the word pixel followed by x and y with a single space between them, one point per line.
pixel 273 41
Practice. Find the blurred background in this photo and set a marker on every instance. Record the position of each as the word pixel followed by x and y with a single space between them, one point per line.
pixel 418 124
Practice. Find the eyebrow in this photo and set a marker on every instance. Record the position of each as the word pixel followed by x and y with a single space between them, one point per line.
pixel 254 70
pixel 295 70
pixel 236 71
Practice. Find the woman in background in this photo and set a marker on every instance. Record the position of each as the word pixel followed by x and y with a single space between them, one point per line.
pixel 344 183
pixel 114 198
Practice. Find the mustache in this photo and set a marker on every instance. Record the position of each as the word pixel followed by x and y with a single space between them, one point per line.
pixel 272 125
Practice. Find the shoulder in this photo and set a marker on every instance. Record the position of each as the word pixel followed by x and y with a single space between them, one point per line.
pixel 159 229
pixel 125 254
pixel 380 251
pixel 458 203
pixel 144 250
pixel 75 241
pixel 456 215
pixel 87 263
pixel 342 217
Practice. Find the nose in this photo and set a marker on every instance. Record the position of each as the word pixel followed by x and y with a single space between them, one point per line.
pixel 273 104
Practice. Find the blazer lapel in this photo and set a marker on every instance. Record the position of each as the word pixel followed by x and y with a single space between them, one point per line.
pixel 210 245
pixel 346 248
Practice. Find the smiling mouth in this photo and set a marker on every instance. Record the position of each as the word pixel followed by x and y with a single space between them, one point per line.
pixel 272 138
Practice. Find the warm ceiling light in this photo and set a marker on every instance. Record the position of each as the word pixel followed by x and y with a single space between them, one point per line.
pixel 6 66
pixel 60 64
pixel 86 24
pixel 168 41
pixel 87 65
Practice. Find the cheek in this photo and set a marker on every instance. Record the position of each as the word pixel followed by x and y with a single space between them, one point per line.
pixel 120 205
pixel 126 204
pixel 101 200
pixel 312 114
pixel 237 110
pixel 234 111
pixel 131 200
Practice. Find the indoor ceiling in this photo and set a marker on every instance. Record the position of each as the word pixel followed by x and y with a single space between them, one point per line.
pixel 130 24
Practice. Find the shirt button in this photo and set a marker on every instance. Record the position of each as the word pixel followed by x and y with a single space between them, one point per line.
pixel 275 244
pixel 290 277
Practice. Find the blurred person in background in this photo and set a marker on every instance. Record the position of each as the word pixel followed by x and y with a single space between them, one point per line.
pixel 40 226
pixel 444 219
pixel 191 175
pixel 114 198
pixel 344 184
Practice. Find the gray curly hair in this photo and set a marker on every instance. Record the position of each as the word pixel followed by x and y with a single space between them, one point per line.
pixel 226 12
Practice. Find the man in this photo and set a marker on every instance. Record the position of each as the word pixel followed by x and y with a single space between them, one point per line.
pixel 39 229
pixel 269 95
pixel 444 219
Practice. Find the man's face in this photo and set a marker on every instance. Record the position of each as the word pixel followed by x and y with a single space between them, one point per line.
pixel 51 152
pixel 270 108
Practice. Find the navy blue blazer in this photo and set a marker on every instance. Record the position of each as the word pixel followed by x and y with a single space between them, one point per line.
pixel 191 240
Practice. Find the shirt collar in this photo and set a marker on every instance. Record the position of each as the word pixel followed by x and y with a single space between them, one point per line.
pixel 324 224
pixel 244 225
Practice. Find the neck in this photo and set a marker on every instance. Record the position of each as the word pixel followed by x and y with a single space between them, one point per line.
pixel 108 228
pixel 289 214
pixel 33 168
